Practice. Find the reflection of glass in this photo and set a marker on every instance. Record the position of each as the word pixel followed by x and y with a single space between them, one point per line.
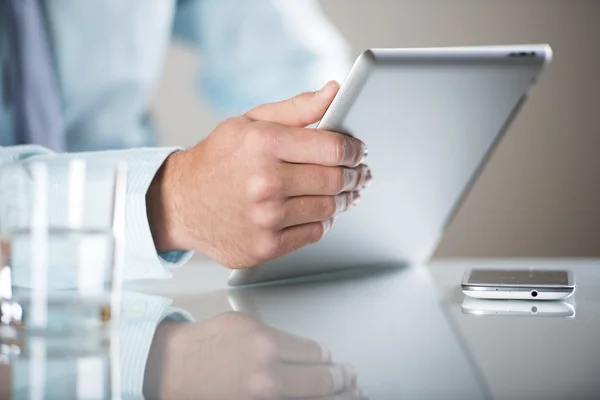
pixel 48 368
pixel 546 308
pixel 62 225
pixel 233 356
pixel 162 353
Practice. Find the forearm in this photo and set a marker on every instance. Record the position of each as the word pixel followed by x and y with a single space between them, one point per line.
pixel 141 314
pixel 5 381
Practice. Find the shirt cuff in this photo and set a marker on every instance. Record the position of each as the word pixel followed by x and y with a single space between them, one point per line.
pixel 140 315
pixel 142 260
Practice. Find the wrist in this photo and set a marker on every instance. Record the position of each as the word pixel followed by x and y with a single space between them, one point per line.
pixel 161 205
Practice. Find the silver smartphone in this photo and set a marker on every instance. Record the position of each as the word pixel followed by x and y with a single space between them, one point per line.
pixel 519 284
pixel 473 306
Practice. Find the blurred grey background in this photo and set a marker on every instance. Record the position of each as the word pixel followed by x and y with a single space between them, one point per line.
pixel 540 194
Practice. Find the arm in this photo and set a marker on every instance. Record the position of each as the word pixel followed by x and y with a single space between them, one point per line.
pixel 141 260
pixel 232 356
pixel 259 51
pixel 5 381
pixel 140 316
pixel 259 187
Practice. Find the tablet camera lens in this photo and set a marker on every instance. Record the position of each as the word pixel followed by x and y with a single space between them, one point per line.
pixel 534 293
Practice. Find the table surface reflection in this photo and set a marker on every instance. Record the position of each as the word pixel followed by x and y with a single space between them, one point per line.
pixel 381 334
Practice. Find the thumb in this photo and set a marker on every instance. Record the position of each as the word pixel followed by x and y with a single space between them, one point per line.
pixel 302 110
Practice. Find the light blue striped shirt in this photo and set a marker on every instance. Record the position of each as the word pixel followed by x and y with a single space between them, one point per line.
pixel 109 55
pixel 63 376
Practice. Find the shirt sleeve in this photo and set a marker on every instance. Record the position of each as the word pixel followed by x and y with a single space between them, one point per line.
pixel 141 258
pixel 259 51
pixel 140 315
pixel 130 347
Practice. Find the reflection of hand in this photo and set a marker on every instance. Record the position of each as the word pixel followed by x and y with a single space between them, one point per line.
pixel 260 186
pixel 5 381
pixel 4 252
pixel 235 357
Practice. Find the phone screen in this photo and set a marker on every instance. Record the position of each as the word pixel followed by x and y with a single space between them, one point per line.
pixel 519 277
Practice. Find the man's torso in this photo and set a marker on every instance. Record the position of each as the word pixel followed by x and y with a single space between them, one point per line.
pixel 108 57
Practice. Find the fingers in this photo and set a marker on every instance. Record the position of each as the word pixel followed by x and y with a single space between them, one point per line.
pixel 307 209
pixel 296 237
pixel 350 394
pixel 315 180
pixel 302 110
pixel 293 349
pixel 312 146
pixel 302 381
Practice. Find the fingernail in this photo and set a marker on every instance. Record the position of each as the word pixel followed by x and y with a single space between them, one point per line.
pixel 349 179
pixel 365 153
pixel 325 354
pixel 368 179
pixel 350 374
pixel 327 226
pixel 328 86
pixel 338 374
pixel 343 202
pixel 355 199
pixel 364 174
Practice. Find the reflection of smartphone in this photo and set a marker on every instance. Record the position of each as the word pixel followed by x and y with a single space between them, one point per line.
pixel 475 306
pixel 517 284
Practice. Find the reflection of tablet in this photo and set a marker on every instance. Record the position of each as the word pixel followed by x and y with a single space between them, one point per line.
pixel 388 324
pixel 528 308
pixel 430 118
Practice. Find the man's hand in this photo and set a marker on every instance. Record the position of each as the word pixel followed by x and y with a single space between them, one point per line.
pixel 233 356
pixel 5 380
pixel 260 186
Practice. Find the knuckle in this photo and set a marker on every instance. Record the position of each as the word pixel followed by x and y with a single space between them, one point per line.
pixel 264 385
pixel 268 216
pixel 266 247
pixel 240 121
pixel 259 136
pixel 264 186
pixel 263 345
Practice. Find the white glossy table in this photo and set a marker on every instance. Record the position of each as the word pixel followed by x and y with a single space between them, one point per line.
pixel 402 330
pixel 509 357
pixel 532 357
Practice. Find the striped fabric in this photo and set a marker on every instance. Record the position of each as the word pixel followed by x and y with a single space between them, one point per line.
pixel 141 258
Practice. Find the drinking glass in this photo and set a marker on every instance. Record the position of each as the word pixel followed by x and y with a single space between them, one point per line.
pixel 52 367
pixel 62 225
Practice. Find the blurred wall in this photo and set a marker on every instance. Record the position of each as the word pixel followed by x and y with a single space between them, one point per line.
pixel 540 193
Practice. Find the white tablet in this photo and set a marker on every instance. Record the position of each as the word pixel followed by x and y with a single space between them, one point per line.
pixel 430 118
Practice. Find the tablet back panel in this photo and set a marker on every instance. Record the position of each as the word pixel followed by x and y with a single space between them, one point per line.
pixel 430 119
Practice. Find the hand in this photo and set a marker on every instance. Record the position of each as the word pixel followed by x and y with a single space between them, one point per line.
pixel 260 186
pixel 5 380
pixel 235 357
